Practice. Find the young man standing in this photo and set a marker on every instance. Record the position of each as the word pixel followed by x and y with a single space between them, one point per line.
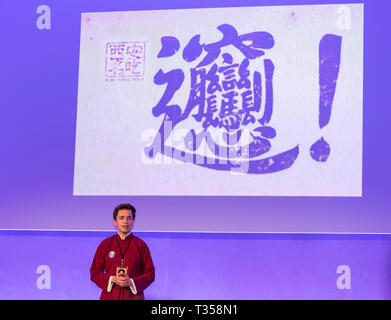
pixel 122 265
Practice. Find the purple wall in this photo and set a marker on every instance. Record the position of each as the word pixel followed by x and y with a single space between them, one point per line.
pixel 37 127
pixel 205 266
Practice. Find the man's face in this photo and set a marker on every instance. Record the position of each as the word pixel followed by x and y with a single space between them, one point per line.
pixel 124 221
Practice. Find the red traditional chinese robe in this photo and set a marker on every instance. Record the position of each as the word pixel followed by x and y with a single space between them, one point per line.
pixel 138 260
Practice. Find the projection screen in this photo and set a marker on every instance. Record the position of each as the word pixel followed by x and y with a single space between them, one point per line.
pixel 237 119
pixel 256 101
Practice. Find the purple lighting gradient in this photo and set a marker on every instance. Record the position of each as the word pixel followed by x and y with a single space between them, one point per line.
pixel 38 121
pixel 229 266
pixel 259 248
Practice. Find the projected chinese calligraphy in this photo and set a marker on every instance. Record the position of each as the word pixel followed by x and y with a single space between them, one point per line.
pixel 225 95
pixel 222 101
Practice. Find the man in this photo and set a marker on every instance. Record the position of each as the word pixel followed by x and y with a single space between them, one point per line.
pixel 122 265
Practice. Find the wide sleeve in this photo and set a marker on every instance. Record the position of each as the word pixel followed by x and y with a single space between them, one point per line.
pixel 142 281
pixel 97 269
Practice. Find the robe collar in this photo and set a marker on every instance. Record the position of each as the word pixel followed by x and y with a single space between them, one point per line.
pixel 125 236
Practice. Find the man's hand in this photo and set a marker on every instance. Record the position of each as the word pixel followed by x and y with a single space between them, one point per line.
pixel 122 280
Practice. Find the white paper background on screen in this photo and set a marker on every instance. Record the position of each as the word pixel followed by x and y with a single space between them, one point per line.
pixel 113 116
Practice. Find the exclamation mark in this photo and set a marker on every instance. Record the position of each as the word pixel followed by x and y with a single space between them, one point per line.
pixel 329 62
